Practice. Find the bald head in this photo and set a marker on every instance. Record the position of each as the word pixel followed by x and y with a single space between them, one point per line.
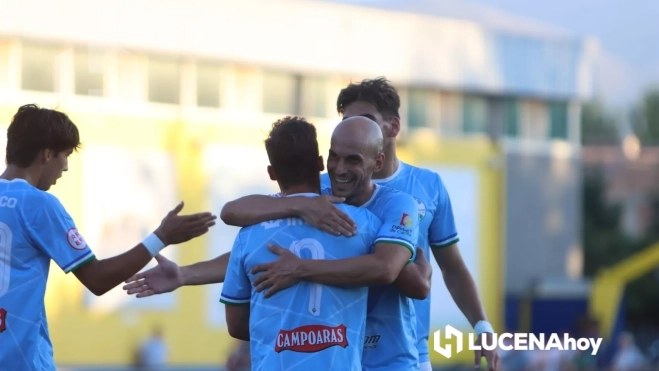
pixel 361 129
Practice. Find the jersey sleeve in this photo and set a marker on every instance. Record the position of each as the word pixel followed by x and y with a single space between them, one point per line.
pixel 237 289
pixel 371 230
pixel 400 224
pixel 442 231
pixel 53 231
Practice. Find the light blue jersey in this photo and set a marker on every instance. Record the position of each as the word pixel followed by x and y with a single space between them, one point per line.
pixel 391 321
pixel 307 326
pixel 34 228
pixel 437 227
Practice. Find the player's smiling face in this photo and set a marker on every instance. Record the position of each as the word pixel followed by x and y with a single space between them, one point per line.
pixel 349 167
pixel 53 168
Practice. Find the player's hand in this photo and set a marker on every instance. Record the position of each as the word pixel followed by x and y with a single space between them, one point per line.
pixel 278 275
pixel 164 277
pixel 175 228
pixel 324 215
pixel 491 356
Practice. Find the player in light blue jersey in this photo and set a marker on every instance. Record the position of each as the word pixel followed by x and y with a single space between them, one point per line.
pixel 379 100
pixel 355 152
pixel 35 229
pixel 307 326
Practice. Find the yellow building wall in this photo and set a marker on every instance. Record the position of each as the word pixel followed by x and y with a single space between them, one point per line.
pixel 85 337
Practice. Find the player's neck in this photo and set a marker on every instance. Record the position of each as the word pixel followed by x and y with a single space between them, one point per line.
pixel 363 196
pixel 29 174
pixel 300 189
pixel 390 163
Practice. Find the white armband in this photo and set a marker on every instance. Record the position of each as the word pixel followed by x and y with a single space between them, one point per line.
pixel 482 327
pixel 153 244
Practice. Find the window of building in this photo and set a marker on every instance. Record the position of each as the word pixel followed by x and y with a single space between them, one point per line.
pixel 164 82
pixel 450 113
pixel 314 96
pixel 510 117
pixel 208 85
pixel 279 93
pixel 558 117
pixel 474 113
pixel 419 108
pixel 38 67
pixel 534 120
pixel 89 69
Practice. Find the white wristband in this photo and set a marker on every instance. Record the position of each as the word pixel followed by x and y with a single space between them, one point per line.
pixel 153 244
pixel 482 327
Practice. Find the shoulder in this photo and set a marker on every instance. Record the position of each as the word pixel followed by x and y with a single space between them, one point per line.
pixel 429 177
pixel 36 202
pixel 391 195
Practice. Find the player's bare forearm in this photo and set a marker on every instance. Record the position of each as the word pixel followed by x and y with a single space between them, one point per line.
pixel 207 272
pixel 380 268
pixel 460 283
pixel 237 317
pixel 101 276
pixel 255 209
pixel 414 280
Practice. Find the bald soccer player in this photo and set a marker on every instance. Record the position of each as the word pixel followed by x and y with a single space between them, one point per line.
pixel 356 152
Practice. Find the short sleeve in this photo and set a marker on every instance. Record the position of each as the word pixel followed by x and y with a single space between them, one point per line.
pixel 442 231
pixel 53 231
pixel 237 289
pixel 400 224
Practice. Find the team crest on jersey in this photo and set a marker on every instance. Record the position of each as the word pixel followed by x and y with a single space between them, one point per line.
pixel 422 208
pixel 311 338
pixel 3 319
pixel 75 239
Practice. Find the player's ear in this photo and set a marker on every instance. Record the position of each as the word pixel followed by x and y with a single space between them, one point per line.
pixel 271 172
pixel 394 127
pixel 379 162
pixel 321 164
pixel 45 155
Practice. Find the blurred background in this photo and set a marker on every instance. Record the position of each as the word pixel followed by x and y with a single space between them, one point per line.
pixel 541 117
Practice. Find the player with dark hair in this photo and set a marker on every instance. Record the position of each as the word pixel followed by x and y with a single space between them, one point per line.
pixel 35 228
pixel 379 100
pixel 355 154
pixel 307 326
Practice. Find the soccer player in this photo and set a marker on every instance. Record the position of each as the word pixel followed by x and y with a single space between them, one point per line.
pixel 35 228
pixel 390 328
pixel 308 326
pixel 379 100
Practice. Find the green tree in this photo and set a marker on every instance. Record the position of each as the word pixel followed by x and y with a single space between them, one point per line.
pixel 606 245
pixel 645 118
pixel 598 126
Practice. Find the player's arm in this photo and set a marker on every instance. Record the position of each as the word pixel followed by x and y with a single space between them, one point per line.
pixel 53 230
pixel 207 272
pixel 443 238
pixel 394 247
pixel 414 280
pixel 238 321
pixel 167 276
pixel 236 293
pixel 317 211
pixel 382 267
